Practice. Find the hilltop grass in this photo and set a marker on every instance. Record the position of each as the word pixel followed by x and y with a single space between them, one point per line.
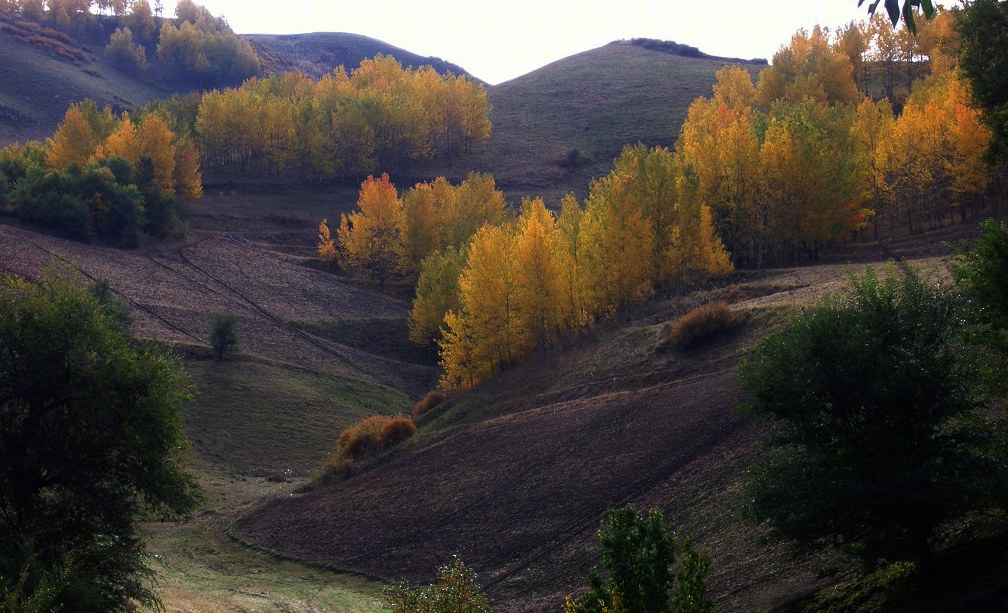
pixel 255 418
pixel 593 102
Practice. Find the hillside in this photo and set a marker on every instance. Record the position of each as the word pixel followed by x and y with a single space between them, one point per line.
pixel 592 103
pixel 43 71
pixel 514 475
pixel 317 53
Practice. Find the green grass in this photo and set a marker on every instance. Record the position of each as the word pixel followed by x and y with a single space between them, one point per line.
pixel 251 422
pixel 200 568
pixel 258 419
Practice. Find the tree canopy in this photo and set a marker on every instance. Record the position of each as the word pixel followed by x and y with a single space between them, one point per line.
pixel 879 441
pixel 90 438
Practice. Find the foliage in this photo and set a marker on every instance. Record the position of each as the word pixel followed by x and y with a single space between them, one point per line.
pixel 982 26
pixel 91 439
pixel 878 441
pixel 699 323
pixel 125 53
pixel 981 270
pixel 223 333
pixel 639 555
pixel 456 591
pixel 906 12
pixel 202 50
pixel 380 116
pixel 429 400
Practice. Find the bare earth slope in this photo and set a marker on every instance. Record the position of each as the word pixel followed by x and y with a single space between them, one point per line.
pixel 173 292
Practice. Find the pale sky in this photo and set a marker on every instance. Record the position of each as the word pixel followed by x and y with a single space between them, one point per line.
pixel 498 40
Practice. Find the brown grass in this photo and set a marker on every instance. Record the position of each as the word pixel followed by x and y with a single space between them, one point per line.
pixel 698 324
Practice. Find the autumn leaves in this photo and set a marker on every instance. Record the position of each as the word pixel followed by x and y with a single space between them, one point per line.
pixel 492 289
pixel 380 116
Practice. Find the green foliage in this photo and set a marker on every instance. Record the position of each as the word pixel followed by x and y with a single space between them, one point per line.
pixel 873 396
pixel 110 200
pixel 638 555
pixel 203 50
pixel 905 12
pixel 456 591
pixel 223 333
pixel 699 323
pixel 981 269
pixel 90 437
pixel 116 309
pixel 124 53
pixel 982 26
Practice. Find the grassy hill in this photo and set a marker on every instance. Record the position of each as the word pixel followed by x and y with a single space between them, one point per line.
pixel 592 103
pixel 317 53
pixel 43 71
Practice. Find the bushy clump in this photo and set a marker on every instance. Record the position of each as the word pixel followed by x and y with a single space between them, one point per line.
pixel 430 400
pixel 367 436
pixel 698 324
pixel 456 590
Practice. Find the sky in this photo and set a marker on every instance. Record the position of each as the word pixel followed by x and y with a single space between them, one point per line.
pixel 498 40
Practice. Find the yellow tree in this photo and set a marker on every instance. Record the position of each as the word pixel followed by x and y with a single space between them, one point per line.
pixel 489 330
pixel 618 245
pixel 809 67
pixel 73 141
pixel 539 295
pixel 873 123
pixel 694 253
pixel 326 247
pixel 571 260
pixel 418 230
pixel 369 237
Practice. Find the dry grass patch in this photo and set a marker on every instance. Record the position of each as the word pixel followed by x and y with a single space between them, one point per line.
pixel 430 400
pixel 366 437
pixel 698 324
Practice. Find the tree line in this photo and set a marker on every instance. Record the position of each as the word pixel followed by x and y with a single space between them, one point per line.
pixel 492 287
pixel 102 176
pixel 380 115
pixel 198 49
pixel 800 159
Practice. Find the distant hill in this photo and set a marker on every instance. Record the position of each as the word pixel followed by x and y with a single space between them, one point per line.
pixel 318 53
pixel 557 127
pixel 43 71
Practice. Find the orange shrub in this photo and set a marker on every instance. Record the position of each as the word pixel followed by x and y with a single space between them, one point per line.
pixel 374 434
pixel 698 324
pixel 430 400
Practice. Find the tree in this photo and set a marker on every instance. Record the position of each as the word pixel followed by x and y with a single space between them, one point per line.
pixel 90 438
pixel 223 332
pixel 369 238
pixel 982 26
pixel 981 269
pixel 878 439
pixel 639 556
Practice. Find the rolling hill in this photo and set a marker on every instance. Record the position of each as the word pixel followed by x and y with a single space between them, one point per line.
pixel 592 103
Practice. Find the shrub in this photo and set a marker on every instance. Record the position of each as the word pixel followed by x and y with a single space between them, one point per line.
pixel 430 400
pixel 699 323
pixel 365 437
pixel 456 591
pixel 374 434
pixel 223 335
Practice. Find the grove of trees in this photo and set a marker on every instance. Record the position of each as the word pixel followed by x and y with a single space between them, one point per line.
pixel 379 116
pixel 100 176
